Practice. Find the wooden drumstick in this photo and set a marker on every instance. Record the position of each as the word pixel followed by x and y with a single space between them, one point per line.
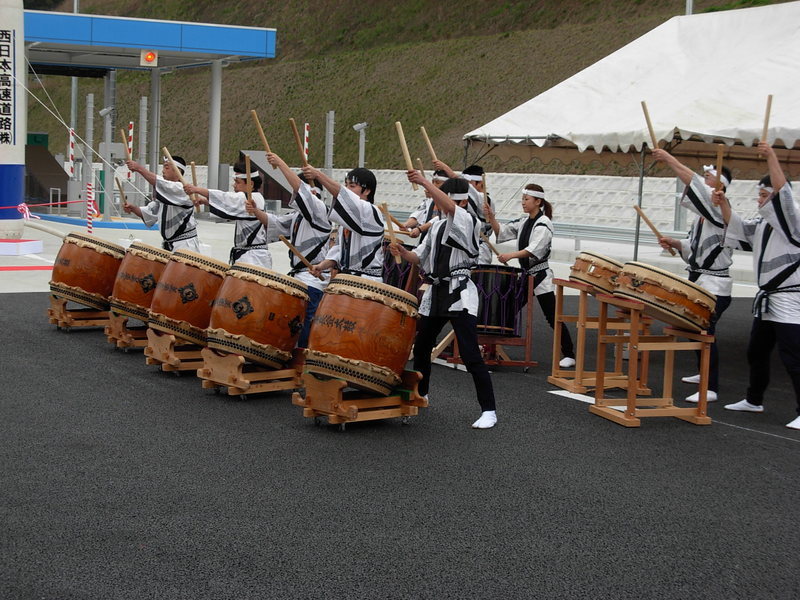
pixel 649 125
pixel 390 225
pixel 651 226
pixel 125 144
pixel 247 191
pixel 260 131
pixel 491 246
pixel 718 166
pixel 404 148
pixel 194 182
pixel 428 143
pixel 121 191
pixel 766 119
pixel 421 167
pixel 298 142
pixel 296 252
pixel 172 162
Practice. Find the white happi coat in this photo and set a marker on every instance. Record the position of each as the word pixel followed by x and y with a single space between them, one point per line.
pixel 250 237
pixel 173 210
pixel 535 236
pixel 358 249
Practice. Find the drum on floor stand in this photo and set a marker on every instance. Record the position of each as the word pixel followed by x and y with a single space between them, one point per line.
pixel 85 269
pixel 502 293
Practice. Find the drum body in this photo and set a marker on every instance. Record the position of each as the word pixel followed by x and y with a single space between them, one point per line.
pixel 596 270
pixel 136 280
pixel 85 270
pixel 502 293
pixel 258 314
pixel 362 332
pixel 182 300
pixel 666 296
pixel 398 275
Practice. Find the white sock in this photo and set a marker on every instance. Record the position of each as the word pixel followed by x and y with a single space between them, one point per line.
pixel 487 420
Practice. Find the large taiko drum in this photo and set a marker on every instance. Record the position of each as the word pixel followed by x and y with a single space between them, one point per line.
pixel 666 296
pixel 85 270
pixel 362 332
pixel 598 271
pixel 136 280
pixel 182 301
pixel 502 293
pixel 258 314
pixel 398 275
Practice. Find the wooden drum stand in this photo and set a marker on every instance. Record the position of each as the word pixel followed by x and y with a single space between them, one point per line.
pixel 173 354
pixel 243 377
pixel 64 318
pixel 637 343
pixel 118 333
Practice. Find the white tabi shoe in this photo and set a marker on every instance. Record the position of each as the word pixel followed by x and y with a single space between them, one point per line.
pixel 566 362
pixel 710 397
pixel 745 406
pixel 487 420
pixel 794 424
pixel 691 379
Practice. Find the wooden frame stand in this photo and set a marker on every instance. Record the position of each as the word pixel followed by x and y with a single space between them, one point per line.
pixel 496 355
pixel 242 377
pixel 118 332
pixel 64 318
pixel 578 380
pixel 669 343
pixel 171 353
pixel 326 397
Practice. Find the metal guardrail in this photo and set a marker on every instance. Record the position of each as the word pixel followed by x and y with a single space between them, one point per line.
pixel 626 235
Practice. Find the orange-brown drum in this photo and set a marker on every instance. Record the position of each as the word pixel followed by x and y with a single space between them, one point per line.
pixel 136 280
pixel 182 301
pixel 258 314
pixel 666 296
pixel 362 332
pixel 85 270
pixel 596 270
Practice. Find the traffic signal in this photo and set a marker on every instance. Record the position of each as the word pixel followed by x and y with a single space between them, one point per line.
pixel 148 58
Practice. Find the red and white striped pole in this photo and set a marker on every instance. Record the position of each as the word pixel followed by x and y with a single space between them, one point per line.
pixel 130 143
pixel 70 166
pixel 306 129
pixel 89 207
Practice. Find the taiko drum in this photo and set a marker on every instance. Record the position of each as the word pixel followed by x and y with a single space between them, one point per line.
pixel 258 314
pixel 362 332
pixel 184 294
pixel 136 280
pixel 85 270
pixel 598 271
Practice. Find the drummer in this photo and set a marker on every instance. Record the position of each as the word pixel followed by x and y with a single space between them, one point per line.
pixel 308 229
pixel 170 207
pixel 775 238
pixel 421 220
pixel 534 235
pixel 474 174
pixel 447 254
pixel 249 236
pixel 359 244
pixel 708 261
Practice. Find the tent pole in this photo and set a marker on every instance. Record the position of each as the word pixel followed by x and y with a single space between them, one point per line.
pixel 638 220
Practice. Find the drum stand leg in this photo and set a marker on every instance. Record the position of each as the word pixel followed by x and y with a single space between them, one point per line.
pixel 579 380
pixel 242 377
pixel 171 353
pixel 327 398
pixel 635 407
pixel 64 318
pixel 118 332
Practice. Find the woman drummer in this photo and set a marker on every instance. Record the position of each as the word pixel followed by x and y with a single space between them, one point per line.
pixel 534 235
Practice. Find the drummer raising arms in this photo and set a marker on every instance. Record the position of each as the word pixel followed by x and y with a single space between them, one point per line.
pixel 308 229
pixel 359 244
pixel 250 235
pixel 707 259
pixel 534 235
pixel 421 220
pixel 446 255
pixel 775 238
pixel 170 207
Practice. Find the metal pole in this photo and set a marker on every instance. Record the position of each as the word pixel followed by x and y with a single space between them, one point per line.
pixel 638 219
pixel 88 156
pixel 108 173
pixel 688 7
pixel 362 140
pixel 155 118
pixel 73 105
pixel 330 122
pixel 140 182
pixel 214 121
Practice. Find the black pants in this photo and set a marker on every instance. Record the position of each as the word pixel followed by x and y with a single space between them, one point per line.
pixel 723 302
pixel 465 328
pixel 763 337
pixel 548 303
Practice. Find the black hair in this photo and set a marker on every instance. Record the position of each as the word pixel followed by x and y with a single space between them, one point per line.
pixel 455 185
pixel 366 179
pixel 439 173
pixel 241 167
pixel 473 170
pixel 546 207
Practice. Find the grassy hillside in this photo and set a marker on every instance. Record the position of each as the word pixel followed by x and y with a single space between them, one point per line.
pixel 446 65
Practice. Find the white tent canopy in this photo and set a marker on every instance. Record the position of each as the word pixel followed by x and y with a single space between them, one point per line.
pixel 704 77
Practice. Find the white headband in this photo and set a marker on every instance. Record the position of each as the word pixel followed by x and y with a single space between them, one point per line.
pixel 244 175
pixel 713 171
pixel 533 193
pixel 177 164
pixel 439 178
pixel 459 196
pixel 761 186
pixel 472 177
